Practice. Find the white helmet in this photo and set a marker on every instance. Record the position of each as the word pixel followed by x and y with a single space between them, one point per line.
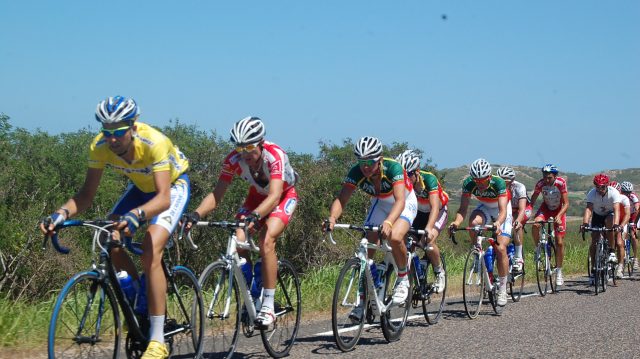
pixel 506 173
pixel 409 160
pixel 480 168
pixel 248 130
pixel 367 147
pixel 117 109
pixel 626 186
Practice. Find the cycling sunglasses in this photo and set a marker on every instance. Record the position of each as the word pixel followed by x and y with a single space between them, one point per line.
pixel 116 132
pixel 482 180
pixel 368 162
pixel 247 148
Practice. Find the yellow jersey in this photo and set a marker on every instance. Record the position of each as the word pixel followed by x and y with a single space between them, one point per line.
pixel 153 152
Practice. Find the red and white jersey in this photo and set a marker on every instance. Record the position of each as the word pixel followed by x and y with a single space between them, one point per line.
pixel 633 199
pixel 552 195
pixel 603 205
pixel 275 165
pixel 625 206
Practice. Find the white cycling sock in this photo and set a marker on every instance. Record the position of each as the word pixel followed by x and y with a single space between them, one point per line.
pixel 267 297
pixel 519 251
pixel 156 329
pixel 503 283
pixel 437 269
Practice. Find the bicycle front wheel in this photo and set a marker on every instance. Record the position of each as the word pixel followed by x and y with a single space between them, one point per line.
pixel 473 283
pixel 542 262
pixel 552 271
pixel 516 284
pixel 85 322
pixel 184 321
pixel 280 336
pixel 222 311
pixel 349 307
pixel 433 302
pixel 393 320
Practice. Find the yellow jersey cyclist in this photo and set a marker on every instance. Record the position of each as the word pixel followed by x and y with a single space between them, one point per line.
pixel 432 210
pixel 158 193
pixel 521 210
pixel 269 205
pixel 494 207
pixel 393 206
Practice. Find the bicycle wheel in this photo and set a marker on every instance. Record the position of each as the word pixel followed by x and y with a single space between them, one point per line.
pixel 516 284
pixel 473 283
pixel 346 327
pixel 552 272
pixel 542 260
pixel 589 265
pixel 394 318
pixel 85 322
pixel 280 336
pixel 222 313
pixel 433 302
pixel 184 321
pixel 495 285
pixel 628 259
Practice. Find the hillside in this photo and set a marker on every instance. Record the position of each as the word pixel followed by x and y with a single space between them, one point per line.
pixel 578 184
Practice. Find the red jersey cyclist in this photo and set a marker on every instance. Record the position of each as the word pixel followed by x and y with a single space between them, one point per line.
pixel 555 204
pixel 269 205
pixel 494 207
pixel 625 215
pixel 626 189
pixel 432 209
pixel 393 206
pixel 158 193
pixel 521 210
pixel 603 210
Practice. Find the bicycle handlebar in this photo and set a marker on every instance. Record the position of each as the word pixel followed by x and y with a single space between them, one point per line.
pixel 478 229
pixel 230 225
pixel 97 224
pixel 595 229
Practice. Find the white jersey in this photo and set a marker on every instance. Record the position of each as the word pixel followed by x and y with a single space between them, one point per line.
pixel 518 191
pixel 603 205
pixel 633 199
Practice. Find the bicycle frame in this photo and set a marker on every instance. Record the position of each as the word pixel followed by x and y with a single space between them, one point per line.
pixel 492 240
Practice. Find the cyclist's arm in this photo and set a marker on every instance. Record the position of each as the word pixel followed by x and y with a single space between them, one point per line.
pixel 83 199
pixel 434 201
pixel 398 205
pixel 565 205
pixel 522 207
pixel 616 213
pixel 462 211
pixel 211 201
pixel 627 216
pixel 276 187
pixel 503 202
pixel 534 197
pixel 162 199
pixel 588 211
pixel 340 202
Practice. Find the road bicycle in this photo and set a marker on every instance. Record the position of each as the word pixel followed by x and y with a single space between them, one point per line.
pixel 423 276
pixel 603 269
pixel 229 304
pixel 356 288
pixel 545 257
pixel 629 259
pixel 86 323
pixel 479 280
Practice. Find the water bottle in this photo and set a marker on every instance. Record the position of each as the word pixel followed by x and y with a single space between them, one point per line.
pixel 488 260
pixel 418 266
pixel 256 287
pixel 375 274
pixel 141 301
pixel 246 270
pixel 510 251
pixel 126 283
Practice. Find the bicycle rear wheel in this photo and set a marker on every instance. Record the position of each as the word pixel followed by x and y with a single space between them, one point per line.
pixel 542 261
pixel 85 322
pixel 516 284
pixel 473 283
pixel 433 302
pixel 184 321
pixel 628 259
pixel 394 319
pixel 495 287
pixel 279 337
pixel 222 323
pixel 347 327
pixel 552 272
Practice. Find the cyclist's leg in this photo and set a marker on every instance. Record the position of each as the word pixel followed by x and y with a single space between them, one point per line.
pixel 433 252
pixel 560 232
pixel 399 248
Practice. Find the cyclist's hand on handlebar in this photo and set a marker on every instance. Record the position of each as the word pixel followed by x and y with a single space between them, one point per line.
pixel 583 227
pixel 617 228
pixel 48 224
pixel 129 223
pixel 190 219
pixel 517 225
pixel 497 229
pixel 385 229
pixel 452 228
pixel 251 220
pixel 327 225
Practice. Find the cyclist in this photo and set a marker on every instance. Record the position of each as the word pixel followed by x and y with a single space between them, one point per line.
pixel 555 203
pixel 603 209
pixel 494 206
pixel 269 205
pixel 158 193
pixel 521 210
pixel 393 206
pixel 625 215
pixel 430 195
pixel 627 190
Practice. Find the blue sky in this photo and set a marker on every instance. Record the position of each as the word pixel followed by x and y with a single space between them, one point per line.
pixel 516 82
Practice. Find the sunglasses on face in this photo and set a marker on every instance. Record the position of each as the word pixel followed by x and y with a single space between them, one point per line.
pixel 481 180
pixel 117 132
pixel 247 148
pixel 368 163
pixel 410 174
pixel 602 187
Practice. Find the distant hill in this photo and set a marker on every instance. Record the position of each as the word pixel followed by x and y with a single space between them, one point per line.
pixel 578 184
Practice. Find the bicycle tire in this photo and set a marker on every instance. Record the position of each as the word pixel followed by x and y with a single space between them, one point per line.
pixel 628 257
pixel 495 287
pixel 612 273
pixel 541 259
pixel 552 273
pixel 597 278
pixel 604 272
pixel 433 303
pixel 85 322
pixel 589 264
pixel 279 337
pixel 222 331
pixel 394 319
pixel 473 283
pixel 516 284
pixel 184 319
pixel 346 331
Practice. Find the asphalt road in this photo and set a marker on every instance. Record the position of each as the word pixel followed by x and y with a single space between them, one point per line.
pixel 571 323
